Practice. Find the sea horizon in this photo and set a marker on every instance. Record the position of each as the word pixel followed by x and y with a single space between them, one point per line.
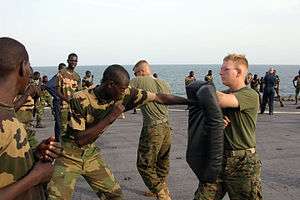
pixel 174 74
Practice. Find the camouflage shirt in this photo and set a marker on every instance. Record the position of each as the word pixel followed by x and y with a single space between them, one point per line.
pixel 87 108
pixel 68 83
pixel 208 78
pixel 188 80
pixel 16 157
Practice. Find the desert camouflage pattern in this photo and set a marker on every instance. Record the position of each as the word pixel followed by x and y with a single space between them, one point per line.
pixel 16 156
pixel 87 108
pixel 164 193
pixel 188 80
pixel 68 83
pixel 25 116
pixel 28 105
pixel 208 78
pixel 240 177
pixel 89 163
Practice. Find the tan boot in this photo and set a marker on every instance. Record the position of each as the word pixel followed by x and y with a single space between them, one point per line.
pixel 163 194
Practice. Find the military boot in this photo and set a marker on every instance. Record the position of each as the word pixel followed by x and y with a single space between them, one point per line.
pixel 163 194
pixel 165 184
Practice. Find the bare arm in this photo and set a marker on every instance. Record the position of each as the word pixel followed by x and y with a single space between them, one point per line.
pixel 41 172
pixel 91 134
pixel 168 99
pixel 31 90
pixel 227 100
pixel 20 101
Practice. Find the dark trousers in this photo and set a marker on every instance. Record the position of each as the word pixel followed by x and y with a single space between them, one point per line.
pixel 268 97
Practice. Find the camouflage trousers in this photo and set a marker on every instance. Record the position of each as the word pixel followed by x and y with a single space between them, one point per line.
pixel 44 100
pixel 240 177
pixel 26 117
pixel 63 120
pixel 88 163
pixel 153 155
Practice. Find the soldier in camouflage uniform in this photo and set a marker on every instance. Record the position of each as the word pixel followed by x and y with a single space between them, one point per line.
pixel 190 78
pixel 20 177
pixel 91 112
pixel 87 80
pixel 277 88
pixel 45 99
pixel 240 176
pixel 209 77
pixel 296 83
pixel 68 82
pixel 155 140
pixel 255 84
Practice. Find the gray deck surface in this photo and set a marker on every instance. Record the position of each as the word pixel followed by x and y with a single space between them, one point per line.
pixel 278 142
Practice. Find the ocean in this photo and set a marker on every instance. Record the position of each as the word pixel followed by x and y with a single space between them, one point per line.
pixel 175 74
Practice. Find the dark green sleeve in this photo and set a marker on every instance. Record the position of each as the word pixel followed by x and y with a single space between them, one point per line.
pixel 247 98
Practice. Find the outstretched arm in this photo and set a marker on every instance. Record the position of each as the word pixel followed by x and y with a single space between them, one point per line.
pixel 168 99
pixel 227 100
pixel 31 90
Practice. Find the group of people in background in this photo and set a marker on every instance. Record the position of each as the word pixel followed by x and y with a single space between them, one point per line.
pixel 268 85
pixel 221 128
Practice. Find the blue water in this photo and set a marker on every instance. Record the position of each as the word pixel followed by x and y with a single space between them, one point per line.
pixel 175 74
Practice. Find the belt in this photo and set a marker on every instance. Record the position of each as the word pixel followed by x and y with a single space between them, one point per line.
pixel 230 153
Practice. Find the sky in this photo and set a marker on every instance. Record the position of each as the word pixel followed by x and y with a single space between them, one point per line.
pixel 160 31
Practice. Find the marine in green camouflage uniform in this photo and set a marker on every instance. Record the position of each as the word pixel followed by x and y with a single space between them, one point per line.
pixel 16 156
pixel 155 139
pixel 88 108
pixel 241 172
pixel 68 82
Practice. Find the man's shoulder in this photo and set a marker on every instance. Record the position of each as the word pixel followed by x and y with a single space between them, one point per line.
pixel 247 91
pixel 13 136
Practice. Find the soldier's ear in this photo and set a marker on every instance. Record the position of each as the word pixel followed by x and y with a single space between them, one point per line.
pixel 22 68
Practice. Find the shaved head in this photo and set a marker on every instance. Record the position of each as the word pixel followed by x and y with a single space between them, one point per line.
pixel 117 74
pixel 142 68
pixel 12 55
